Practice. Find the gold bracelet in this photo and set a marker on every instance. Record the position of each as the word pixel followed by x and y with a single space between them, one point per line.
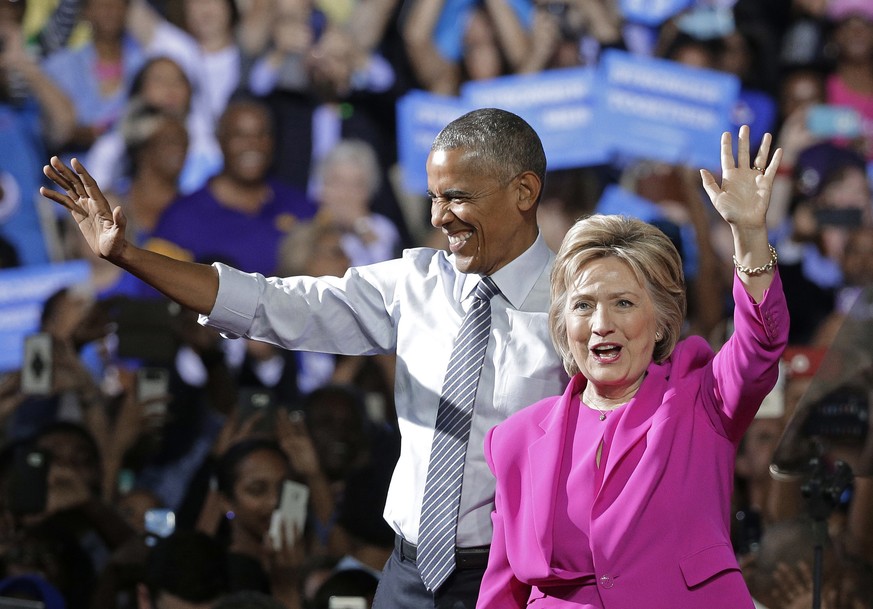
pixel 758 270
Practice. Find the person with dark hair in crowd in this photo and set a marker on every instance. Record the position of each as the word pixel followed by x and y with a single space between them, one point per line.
pixel 97 74
pixel 249 476
pixel 243 199
pixel 184 569
pixel 832 197
pixel 75 490
pixel 161 83
pixel 485 175
pixel 356 456
pixel 617 492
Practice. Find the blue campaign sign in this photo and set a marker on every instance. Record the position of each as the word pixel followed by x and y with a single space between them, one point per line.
pixel 420 117
pixel 21 160
pixel 556 103
pixel 674 112
pixel 23 290
pixel 651 12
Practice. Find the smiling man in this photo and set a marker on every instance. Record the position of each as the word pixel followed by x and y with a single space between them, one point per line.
pixel 485 176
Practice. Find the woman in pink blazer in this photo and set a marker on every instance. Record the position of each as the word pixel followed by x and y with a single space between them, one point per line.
pixel 616 494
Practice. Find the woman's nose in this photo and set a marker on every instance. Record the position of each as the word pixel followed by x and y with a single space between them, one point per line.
pixel 601 323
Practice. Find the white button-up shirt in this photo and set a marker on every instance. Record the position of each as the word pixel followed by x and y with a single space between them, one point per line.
pixel 414 306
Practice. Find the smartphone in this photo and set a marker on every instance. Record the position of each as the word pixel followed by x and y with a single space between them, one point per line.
pixel 258 400
pixel 153 382
pixel 347 602
pixel 28 481
pixel 158 523
pixel 291 513
pixel 146 329
pixel 847 217
pixel 826 120
pixel 36 369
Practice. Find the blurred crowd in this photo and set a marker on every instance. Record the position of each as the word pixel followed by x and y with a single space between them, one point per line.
pixel 148 469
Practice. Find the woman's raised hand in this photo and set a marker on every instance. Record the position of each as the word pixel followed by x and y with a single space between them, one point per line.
pixel 744 195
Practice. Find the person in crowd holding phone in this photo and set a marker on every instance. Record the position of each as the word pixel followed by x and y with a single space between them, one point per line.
pixel 250 475
pixel 832 198
pixel 617 493
pixel 851 82
pixel 485 175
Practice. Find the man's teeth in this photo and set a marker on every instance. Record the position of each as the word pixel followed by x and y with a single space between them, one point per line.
pixel 460 237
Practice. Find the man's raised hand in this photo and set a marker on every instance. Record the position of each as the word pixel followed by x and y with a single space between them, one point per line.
pixel 102 226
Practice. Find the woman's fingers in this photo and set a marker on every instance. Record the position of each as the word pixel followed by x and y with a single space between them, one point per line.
pixel 763 152
pixel 727 152
pixel 743 159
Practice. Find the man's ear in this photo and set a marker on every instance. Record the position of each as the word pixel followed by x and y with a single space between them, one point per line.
pixel 528 188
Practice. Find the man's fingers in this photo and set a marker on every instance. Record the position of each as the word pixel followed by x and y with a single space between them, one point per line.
pixel 57 197
pixel 88 183
pixel 69 181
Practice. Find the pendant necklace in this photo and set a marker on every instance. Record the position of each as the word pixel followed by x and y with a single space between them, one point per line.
pixel 603 413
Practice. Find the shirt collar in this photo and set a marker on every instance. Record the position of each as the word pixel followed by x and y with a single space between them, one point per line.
pixel 518 277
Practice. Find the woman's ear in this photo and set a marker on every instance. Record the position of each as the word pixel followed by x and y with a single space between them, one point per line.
pixel 528 188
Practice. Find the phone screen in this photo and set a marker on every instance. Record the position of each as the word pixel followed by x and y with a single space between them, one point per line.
pixel 159 522
pixel 36 369
pixel 153 383
pixel 825 120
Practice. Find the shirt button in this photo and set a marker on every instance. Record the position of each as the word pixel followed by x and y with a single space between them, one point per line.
pixel 606 581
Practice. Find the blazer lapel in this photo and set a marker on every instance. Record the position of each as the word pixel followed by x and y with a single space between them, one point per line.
pixel 544 458
pixel 637 421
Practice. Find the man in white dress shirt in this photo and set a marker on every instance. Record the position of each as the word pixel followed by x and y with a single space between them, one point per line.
pixel 485 175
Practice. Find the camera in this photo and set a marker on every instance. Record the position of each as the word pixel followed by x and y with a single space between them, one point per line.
pixel 146 329
pixel 846 217
pixel 842 415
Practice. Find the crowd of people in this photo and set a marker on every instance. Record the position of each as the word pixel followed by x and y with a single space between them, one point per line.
pixel 223 144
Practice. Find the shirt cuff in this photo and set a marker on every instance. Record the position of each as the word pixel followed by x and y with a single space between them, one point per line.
pixel 235 304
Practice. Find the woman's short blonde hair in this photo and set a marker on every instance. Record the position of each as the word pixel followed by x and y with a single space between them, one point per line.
pixel 646 250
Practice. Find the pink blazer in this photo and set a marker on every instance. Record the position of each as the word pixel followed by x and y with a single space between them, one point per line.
pixel 660 523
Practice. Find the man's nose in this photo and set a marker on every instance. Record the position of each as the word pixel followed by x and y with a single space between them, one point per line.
pixel 440 213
